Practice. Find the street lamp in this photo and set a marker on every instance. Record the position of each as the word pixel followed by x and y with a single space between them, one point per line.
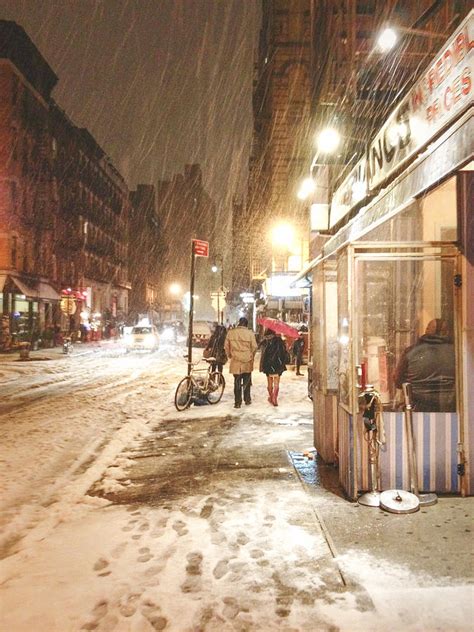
pixel 283 235
pixel 308 186
pixel 389 36
pixel 387 40
pixel 328 140
pixel 175 289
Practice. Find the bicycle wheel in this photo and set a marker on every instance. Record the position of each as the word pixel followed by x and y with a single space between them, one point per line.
pixel 216 387
pixel 184 393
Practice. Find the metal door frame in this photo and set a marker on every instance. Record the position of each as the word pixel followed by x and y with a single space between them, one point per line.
pixel 401 251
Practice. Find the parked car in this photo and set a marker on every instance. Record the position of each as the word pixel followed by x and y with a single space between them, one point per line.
pixel 142 338
pixel 201 333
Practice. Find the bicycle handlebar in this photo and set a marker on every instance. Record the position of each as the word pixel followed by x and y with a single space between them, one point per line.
pixel 208 360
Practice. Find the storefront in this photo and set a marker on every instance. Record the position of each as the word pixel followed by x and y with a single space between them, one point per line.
pixel 28 308
pixel 396 283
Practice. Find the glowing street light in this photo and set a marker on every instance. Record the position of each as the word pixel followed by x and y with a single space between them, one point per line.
pixel 328 140
pixel 175 289
pixel 283 235
pixel 307 187
pixel 387 40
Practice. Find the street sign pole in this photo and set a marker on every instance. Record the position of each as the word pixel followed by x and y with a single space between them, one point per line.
pixel 199 248
pixel 221 289
pixel 191 309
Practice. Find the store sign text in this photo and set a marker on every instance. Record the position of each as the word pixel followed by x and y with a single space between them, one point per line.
pixel 437 98
pixel 440 96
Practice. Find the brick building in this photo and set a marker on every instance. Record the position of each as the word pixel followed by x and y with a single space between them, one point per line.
pixel 28 199
pixel 275 220
pixel 145 235
pixel 92 234
pixel 64 208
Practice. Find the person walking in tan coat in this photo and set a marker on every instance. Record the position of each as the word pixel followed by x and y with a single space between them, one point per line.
pixel 240 347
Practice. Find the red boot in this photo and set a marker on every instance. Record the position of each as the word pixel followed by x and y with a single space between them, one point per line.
pixel 275 396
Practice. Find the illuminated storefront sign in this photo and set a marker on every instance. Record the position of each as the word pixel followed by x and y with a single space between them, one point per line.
pixel 280 285
pixel 444 91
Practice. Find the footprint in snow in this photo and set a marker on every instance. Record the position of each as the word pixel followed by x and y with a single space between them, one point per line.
pixel 101 564
pixel 99 612
pixel 152 612
pixel 180 527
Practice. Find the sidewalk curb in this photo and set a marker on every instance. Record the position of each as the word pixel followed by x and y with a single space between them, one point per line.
pixel 348 581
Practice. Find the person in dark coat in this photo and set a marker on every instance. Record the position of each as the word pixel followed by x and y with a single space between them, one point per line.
pixel 215 347
pixel 297 349
pixel 429 366
pixel 273 362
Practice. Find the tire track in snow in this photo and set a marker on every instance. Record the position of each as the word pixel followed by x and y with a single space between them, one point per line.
pixel 61 446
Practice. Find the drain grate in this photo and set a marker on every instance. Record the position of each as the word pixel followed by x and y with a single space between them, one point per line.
pixel 306 465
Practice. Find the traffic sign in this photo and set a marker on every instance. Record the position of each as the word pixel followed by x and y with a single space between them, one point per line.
pixel 200 248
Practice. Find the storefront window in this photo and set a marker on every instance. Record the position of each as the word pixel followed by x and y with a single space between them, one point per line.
pixel 317 328
pixel 432 217
pixel 344 335
pixel 405 329
pixel 331 324
pixel 24 317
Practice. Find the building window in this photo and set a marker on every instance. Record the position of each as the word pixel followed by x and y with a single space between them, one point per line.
pixel 14 250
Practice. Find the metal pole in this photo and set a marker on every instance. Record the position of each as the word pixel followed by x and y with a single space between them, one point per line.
pixel 424 499
pixel 191 310
pixel 412 469
pixel 221 289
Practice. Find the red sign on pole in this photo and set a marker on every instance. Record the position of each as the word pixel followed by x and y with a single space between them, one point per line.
pixel 200 248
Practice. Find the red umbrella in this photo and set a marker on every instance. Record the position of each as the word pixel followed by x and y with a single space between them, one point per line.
pixel 279 327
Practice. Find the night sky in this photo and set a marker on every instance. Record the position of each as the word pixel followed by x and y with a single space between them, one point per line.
pixel 159 83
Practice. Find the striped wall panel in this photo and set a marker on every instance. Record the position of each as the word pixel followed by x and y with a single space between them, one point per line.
pixel 436 437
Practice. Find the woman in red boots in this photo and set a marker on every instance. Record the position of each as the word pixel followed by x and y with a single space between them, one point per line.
pixel 273 362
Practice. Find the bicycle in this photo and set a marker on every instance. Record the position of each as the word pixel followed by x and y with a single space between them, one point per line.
pixel 200 383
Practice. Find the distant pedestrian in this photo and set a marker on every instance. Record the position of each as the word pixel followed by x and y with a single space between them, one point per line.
pixel 240 346
pixel 297 349
pixel 215 347
pixel 273 363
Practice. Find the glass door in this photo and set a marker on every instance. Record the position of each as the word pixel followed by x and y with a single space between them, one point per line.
pixel 404 322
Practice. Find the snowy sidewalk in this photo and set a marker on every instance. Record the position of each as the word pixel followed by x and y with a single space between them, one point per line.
pixel 198 521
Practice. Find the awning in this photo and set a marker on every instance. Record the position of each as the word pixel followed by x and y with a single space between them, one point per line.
pixel 301 279
pixel 47 292
pixel 25 289
pixel 43 291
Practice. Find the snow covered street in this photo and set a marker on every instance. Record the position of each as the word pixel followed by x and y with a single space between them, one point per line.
pixel 121 514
